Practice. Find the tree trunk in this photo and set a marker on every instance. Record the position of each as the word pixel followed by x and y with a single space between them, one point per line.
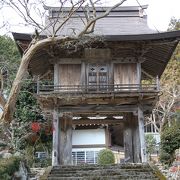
pixel 2 101
pixel 10 105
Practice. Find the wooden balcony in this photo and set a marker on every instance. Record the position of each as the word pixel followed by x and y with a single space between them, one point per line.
pixel 43 89
pixel 112 97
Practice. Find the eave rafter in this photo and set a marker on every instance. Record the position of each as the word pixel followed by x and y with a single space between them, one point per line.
pixel 155 50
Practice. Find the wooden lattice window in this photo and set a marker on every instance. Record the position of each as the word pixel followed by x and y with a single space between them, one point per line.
pixel 97 76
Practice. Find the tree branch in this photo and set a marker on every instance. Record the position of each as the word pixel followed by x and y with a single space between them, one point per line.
pixel 99 17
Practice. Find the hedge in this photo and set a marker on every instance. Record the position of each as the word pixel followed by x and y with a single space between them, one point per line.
pixel 8 167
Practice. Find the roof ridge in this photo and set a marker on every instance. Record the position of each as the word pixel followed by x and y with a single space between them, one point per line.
pixel 100 8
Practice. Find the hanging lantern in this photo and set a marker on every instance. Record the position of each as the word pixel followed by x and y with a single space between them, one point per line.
pixel 35 126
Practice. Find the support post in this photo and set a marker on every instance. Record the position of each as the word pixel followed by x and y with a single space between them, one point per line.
pixel 142 134
pixel 132 139
pixel 139 75
pixel 65 145
pixel 128 150
pixel 56 76
pixel 55 149
pixel 136 140
pixel 83 76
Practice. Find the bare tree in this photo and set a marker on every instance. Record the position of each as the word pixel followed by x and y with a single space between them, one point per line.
pixel 23 8
pixel 164 112
pixel 166 104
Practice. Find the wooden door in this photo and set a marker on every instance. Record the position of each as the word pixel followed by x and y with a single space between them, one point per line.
pixel 97 77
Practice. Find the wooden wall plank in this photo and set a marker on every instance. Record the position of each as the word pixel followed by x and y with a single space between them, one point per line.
pixel 69 74
pixel 125 73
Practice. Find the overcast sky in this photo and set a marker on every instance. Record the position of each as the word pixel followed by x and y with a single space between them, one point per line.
pixel 159 13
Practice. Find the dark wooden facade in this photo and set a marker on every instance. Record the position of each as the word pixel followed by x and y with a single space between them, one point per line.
pixel 108 78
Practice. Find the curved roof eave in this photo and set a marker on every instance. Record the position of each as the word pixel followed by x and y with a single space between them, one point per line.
pixel 157 58
pixel 135 37
pixel 144 37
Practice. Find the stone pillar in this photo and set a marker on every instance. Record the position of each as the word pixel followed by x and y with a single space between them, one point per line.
pixel 65 145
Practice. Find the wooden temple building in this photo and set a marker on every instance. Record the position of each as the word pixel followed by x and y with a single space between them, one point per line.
pixel 98 93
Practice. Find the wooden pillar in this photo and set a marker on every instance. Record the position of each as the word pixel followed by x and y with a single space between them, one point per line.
pixel 128 150
pixel 139 74
pixel 136 140
pixel 111 73
pixel 141 134
pixel 56 75
pixel 65 143
pixel 55 146
pixel 133 139
pixel 83 73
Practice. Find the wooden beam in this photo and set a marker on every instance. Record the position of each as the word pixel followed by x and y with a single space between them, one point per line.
pixel 90 146
pixel 147 74
pixel 126 59
pixel 69 60
pixel 97 121
pixel 98 109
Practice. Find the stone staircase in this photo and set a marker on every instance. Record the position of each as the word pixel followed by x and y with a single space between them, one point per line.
pixel 106 172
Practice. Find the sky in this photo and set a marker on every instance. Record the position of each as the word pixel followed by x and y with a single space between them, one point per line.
pixel 159 14
pixel 159 11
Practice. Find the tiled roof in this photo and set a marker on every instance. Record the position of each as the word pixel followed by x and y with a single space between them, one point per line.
pixel 125 20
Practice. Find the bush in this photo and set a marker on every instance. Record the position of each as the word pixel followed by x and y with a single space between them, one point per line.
pixel 165 158
pixel 8 167
pixel 170 141
pixel 106 156
pixel 150 144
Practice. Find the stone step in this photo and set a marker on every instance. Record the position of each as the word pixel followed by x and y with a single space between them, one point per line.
pixel 105 175
pixel 100 170
pixel 98 167
pixel 117 177
pixel 122 166
pixel 101 173
pixel 106 172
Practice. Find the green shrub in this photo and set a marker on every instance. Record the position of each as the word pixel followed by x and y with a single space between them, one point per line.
pixel 150 144
pixel 170 141
pixel 106 156
pixel 8 167
pixel 165 158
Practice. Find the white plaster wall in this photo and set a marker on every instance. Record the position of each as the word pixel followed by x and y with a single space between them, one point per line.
pixel 88 137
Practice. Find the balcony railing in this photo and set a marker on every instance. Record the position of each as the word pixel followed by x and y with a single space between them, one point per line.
pixel 90 89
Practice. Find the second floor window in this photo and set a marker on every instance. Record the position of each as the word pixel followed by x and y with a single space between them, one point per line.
pixel 97 76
